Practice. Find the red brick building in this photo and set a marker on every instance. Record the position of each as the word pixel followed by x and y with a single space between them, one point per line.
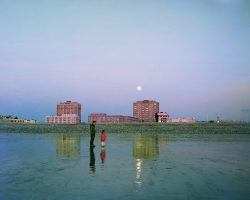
pixel 145 110
pixel 68 107
pixel 103 118
pixel 66 113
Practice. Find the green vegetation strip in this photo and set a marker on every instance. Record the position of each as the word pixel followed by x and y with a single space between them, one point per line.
pixel 152 128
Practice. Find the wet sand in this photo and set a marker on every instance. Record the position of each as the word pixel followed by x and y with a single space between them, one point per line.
pixel 131 166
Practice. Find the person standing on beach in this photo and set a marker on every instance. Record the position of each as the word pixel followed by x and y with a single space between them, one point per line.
pixel 92 133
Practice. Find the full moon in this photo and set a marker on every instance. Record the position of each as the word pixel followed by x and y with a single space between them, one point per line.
pixel 139 88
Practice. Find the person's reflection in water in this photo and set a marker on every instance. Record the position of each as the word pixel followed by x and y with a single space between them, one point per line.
pixel 103 155
pixel 92 160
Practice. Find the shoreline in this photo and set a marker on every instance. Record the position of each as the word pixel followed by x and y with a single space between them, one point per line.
pixel 177 128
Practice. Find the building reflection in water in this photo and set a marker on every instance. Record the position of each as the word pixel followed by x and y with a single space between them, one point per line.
pixel 68 145
pixel 145 146
pixel 92 160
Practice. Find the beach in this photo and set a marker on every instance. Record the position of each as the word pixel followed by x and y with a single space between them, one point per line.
pixel 137 165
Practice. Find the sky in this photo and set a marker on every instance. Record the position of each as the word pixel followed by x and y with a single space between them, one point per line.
pixel 193 57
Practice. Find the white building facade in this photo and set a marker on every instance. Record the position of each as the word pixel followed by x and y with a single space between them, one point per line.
pixel 64 119
pixel 184 120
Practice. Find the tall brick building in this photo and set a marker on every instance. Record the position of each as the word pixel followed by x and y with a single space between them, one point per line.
pixel 68 107
pixel 66 113
pixel 145 110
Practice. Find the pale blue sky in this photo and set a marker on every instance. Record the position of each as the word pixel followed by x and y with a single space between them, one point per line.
pixel 193 57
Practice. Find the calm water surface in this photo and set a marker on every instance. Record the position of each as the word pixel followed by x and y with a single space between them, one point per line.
pixel 131 166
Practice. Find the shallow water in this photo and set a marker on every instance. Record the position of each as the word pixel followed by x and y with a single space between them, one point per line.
pixel 131 166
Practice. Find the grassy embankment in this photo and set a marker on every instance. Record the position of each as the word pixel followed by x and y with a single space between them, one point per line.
pixel 180 128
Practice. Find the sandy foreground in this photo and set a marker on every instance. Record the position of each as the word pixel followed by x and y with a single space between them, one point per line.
pixel 131 166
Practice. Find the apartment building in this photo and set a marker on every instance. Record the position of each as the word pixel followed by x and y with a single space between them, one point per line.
pixel 68 107
pixel 146 110
pixel 64 119
pixel 182 120
pixel 162 117
pixel 103 118
pixel 66 113
pixel 32 121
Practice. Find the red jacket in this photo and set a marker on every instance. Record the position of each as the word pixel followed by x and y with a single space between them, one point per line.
pixel 103 137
